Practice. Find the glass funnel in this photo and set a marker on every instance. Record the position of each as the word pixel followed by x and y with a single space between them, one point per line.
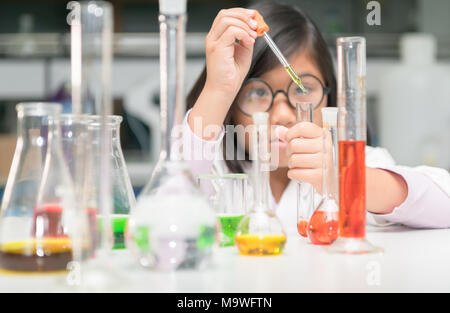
pixel 37 215
pixel 122 190
pixel 323 224
pixel 227 195
pixel 305 191
pixel 351 60
pixel 172 226
pixel 260 231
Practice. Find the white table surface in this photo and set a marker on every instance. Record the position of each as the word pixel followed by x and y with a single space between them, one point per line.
pixel 413 261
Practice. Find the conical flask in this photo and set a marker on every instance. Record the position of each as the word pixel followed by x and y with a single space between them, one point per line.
pixel 36 234
pixel 122 190
pixel 323 224
pixel 172 226
pixel 260 231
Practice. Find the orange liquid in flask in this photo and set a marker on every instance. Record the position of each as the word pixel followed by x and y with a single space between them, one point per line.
pixel 301 228
pixel 323 227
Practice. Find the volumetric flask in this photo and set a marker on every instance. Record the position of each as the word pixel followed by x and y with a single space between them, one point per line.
pixel 305 191
pixel 260 231
pixel 122 190
pixel 172 226
pixel 351 60
pixel 227 195
pixel 323 224
pixel 36 222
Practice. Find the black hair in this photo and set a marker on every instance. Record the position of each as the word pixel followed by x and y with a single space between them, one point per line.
pixel 293 31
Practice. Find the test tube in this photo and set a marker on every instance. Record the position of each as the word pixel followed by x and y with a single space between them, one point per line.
pixel 351 60
pixel 305 191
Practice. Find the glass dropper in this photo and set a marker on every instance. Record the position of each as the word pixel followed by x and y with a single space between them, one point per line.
pixel 262 30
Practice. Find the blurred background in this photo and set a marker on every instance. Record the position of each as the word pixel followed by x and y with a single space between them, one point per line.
pixel 408 70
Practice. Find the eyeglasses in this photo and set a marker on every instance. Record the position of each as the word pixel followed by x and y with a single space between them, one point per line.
pixel 256 95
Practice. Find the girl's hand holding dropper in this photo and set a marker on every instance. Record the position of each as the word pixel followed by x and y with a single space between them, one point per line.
pixel 229 49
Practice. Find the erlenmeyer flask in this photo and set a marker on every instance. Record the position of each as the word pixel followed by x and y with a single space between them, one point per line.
pixel 36 233
pixel 172 226
pixel 260 231
pixel 323 224
pixel 122 190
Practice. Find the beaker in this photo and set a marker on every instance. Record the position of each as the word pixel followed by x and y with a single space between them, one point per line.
pixel 36 223
pixel 305 191
pixel 323 224
pixel 172 226
pixel 122 190
pixel 260 231
pixel 351 61
pixel 227 195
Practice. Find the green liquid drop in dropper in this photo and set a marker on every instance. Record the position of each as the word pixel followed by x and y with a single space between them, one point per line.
pixel 262 30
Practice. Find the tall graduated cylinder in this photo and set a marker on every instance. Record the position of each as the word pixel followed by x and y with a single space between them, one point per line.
pixel 351 60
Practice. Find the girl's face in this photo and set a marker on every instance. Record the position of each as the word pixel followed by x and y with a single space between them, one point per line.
pixel 282 113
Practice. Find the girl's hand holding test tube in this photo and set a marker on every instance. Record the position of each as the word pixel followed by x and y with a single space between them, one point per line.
pixel 305 152
pixel 218 98
pixel 227 64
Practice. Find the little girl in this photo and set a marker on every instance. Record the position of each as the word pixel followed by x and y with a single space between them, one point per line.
pixel 239 66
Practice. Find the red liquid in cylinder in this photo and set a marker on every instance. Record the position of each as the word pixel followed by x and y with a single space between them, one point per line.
pixel 352 189
pixel 301 228
pixel 323 227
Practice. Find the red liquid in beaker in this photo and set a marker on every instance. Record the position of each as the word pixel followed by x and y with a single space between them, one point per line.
pixel 323 227
pixel 301 228
pixel 47 222
pixel 93 228
pixel 352 189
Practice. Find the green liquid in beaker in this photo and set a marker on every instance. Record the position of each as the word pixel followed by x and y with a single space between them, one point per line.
pixel 229 224
pixel 118 225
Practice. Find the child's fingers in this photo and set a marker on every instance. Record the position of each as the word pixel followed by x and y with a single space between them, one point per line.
pixel 304 161
pixel 219 29
pixel 304 130
pixel 305 145
pixel 232 33
pixel 244 15
pixel 280 132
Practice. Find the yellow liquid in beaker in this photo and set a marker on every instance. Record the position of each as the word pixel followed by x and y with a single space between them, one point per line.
pixel 260 244
pixel 36 255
